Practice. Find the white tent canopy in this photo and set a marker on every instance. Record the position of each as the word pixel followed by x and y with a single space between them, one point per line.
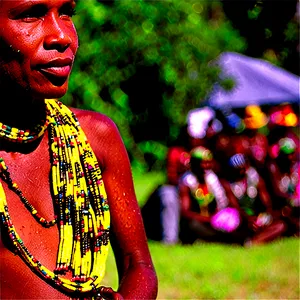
pixel 256 82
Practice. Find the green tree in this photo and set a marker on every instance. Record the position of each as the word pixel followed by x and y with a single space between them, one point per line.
pixel 178 38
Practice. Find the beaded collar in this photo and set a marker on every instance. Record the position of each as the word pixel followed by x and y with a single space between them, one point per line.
pixel 22 136
pixel 83 217
pixel 203 197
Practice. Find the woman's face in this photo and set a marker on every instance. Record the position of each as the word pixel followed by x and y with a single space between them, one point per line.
pixel 199 166
pixel 206 164
pixel 38 44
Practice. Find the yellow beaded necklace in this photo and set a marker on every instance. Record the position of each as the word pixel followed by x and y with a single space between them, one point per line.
pixel 83 216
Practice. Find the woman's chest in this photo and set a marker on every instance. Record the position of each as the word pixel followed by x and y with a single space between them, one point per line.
pixel 203 200
pixel 27 192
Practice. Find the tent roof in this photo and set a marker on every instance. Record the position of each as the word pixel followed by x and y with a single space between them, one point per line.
pixel 257 82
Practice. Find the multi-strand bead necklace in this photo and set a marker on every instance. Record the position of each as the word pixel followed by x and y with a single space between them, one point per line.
pixel 80 200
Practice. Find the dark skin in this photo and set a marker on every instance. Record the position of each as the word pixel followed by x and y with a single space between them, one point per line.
pixel 277 168
pixel 262 234
pixel 43 31
pixel 262 192
pixel 186 201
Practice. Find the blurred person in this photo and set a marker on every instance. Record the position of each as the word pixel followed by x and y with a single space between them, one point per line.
pixel 283 123
pixel 205 202
pixel 284 171
pixel 228 141
pixel 202 126
pixel 177 163
pixel 254 142
pixel 161 212
pixel 66 187
pixel 260 224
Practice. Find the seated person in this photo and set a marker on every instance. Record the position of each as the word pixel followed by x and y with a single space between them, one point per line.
pixel 177 162
pixel 283 123
pixel 259 223
pixel 284 176
pixel 161 211
pixel 255 143
pixel 202 196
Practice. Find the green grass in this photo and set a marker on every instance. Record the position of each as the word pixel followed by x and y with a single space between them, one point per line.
pixel 215 271
pixel 145 184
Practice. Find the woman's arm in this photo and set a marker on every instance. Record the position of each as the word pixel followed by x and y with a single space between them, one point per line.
pixel 275 180
pixel 233 202
pixel 136 272
pixel 264 195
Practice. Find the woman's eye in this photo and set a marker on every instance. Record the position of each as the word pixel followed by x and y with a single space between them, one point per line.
pixel 68 11
pixel 33 14
pixel 29 18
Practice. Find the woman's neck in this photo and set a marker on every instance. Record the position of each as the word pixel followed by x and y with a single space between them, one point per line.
pixel 201 178
pixel 21 110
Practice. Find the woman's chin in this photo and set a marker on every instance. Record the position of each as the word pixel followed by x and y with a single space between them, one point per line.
pixel 51 92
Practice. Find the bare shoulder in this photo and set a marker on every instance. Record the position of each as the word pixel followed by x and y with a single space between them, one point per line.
pixel 101 132
pixel 94 121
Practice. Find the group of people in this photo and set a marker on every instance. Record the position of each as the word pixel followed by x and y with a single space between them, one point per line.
pixel 231 178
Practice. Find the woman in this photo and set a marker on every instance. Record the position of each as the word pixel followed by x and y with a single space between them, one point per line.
pixel 41 140
pixel 260 222
pixel 284 173
pixel 205 203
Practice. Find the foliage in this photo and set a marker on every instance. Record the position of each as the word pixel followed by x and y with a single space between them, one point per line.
pixel 178 38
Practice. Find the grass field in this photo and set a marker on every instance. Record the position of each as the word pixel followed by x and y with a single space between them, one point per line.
pixel 215 271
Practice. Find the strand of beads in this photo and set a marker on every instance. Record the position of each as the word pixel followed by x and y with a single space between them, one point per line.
pixel 5 175
pixel 91 286
pixel 22 136
pixel 81 203
pixel 88 197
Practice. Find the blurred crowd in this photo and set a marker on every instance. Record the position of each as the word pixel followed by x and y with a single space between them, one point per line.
pixel 231 178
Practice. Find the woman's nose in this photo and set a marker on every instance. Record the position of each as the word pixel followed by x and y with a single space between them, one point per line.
pixel 56 35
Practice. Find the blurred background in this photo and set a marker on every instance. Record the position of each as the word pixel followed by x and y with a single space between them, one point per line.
pixel 147 64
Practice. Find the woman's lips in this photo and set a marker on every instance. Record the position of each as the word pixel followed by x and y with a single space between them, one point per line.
pixel 63 71
pixel 57 67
